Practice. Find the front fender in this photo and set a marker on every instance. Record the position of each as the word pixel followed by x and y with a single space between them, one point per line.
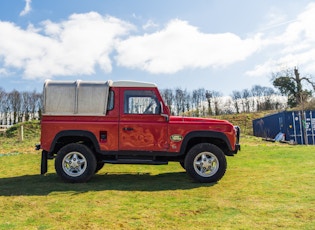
pixel 204 136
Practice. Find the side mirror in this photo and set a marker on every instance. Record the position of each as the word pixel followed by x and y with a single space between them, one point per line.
pixel 166 116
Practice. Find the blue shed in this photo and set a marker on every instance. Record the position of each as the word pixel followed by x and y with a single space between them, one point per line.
pixel 297 126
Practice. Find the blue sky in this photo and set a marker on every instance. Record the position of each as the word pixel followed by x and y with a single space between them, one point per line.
pixel 220 45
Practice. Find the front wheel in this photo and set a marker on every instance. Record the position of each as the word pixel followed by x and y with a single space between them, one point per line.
pixel 205 163
pixel 75 163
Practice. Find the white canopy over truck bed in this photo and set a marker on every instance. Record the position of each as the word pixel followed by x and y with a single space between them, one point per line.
pixel 75 97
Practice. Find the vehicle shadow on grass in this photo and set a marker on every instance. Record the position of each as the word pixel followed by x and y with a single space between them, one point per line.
pixel 39 185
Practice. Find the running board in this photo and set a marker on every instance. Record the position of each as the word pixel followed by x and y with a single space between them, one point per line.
pixel 136 161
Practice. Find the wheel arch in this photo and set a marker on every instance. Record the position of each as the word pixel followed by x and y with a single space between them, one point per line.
pixel 217 138
pixel 84 137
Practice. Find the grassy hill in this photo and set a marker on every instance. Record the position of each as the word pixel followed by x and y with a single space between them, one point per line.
pixel 11 142
pixel 31 130
pixel 244 120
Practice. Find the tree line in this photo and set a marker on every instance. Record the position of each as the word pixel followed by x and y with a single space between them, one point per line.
pixel 289 92
pixel 203 102
pixel 18 106
pixel 292 91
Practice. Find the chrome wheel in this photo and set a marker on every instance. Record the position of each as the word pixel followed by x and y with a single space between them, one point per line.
pixel 206 164
pixel 74 164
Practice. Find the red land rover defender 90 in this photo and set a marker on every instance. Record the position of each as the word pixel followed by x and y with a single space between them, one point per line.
pixel 88 124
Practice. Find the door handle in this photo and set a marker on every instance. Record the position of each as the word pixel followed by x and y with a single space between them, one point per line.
pixel 127 129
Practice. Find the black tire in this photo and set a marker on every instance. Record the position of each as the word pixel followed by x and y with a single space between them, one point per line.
pixel 75 163
pixel 205 163
pixel 182 163
pixel 99 166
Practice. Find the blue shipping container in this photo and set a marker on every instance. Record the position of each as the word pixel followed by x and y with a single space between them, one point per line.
pixel 298 126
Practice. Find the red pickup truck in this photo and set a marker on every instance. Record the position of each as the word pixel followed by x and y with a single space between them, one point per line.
pixel 88 124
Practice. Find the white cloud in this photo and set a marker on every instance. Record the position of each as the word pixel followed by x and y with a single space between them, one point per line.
pixel 181 46
pixel 276 19
pixel 3 72
pixel 72 47
pixel 83 42
pixel 261 69
pixel 27 8
pixel 271 66
pixel 150 25
pixel 302 29
pixel 295 46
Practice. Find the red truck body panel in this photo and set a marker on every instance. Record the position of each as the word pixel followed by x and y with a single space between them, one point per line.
pixel 134 132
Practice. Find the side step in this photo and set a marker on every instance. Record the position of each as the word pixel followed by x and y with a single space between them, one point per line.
pixel 136 161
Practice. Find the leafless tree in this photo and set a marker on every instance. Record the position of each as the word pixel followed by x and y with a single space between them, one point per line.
pixel 214 101
pixel 15 102
pixel 217 102
pixel 179 101
pixel 3 95
pixel 246 100
pixel 198 96
pixel 257 93
pixel 209 96
pixel 188 100
pixel 26 105
pixel 236 96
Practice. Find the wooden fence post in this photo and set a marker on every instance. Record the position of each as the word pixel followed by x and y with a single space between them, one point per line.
pixel 21 133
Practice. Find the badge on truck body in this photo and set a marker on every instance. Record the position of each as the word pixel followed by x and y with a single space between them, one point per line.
pixel 176 137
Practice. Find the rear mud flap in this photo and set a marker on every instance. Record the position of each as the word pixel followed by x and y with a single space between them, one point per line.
pixel 44 163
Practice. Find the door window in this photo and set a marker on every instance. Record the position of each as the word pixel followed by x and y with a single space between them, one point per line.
pixel 141 102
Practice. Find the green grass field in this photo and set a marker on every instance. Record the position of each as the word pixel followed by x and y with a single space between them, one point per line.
pixel 266 186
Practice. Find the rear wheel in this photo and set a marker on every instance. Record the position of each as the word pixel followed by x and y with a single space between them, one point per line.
pixel 205 163
pixel 75 163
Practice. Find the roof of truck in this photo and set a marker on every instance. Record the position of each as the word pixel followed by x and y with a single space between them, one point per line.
pixel 131 84
pixel 109 82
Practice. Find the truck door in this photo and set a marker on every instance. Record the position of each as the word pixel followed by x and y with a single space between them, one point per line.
pixel 141 128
